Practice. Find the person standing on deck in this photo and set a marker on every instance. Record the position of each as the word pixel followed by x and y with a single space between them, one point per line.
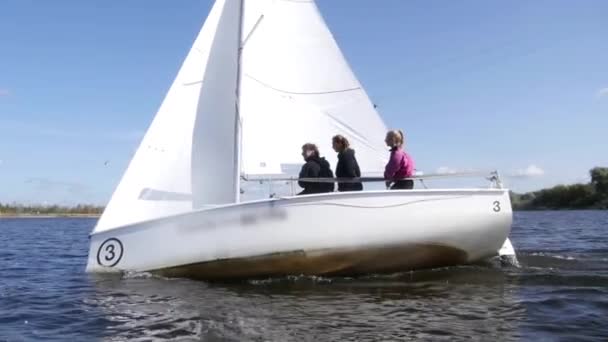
pixel 315 167
pixel 347 166
pixel 400 164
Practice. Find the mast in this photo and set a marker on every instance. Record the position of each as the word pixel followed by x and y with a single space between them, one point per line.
pixel 237 119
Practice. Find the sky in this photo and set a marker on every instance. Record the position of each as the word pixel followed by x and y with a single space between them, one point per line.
pixel 518 86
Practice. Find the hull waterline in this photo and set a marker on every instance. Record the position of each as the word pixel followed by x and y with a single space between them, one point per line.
pixel 327 262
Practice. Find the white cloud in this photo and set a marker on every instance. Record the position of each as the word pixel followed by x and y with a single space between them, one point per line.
pixel 445 170
pixel 531 171
pixel 602 92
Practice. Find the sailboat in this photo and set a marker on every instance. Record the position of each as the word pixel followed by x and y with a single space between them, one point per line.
pixel 262 78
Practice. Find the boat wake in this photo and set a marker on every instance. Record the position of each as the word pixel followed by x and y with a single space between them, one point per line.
pixel 497 268
pixel 526 265
pixel 509 260
pixel 549 260
pixel 141 275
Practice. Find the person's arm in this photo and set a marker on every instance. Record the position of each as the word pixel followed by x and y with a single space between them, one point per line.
pixel 356 168
pixel 309 170
pixel 350 167
pixel 392 167
pixel 303 173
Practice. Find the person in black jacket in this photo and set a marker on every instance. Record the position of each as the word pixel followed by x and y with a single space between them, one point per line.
pixel 347 164
pixel 315 167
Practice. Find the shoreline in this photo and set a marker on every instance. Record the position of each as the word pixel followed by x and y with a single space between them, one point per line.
pixel 48 216
pixel 19 216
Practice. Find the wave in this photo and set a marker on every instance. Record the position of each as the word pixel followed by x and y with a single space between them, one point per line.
pixel 557 256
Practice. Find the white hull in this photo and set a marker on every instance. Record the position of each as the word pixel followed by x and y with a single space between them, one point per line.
pixel 326 234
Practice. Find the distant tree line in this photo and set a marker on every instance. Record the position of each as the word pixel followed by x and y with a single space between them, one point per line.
pixel 19 209
pixel 593 195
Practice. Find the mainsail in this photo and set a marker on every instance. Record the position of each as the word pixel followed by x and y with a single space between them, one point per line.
pixel 295 87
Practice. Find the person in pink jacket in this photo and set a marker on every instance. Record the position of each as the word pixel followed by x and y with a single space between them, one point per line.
pixel 400 164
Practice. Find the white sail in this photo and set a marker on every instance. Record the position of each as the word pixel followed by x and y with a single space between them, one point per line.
pixel 158 181
pixel 214 148
pixel 296 87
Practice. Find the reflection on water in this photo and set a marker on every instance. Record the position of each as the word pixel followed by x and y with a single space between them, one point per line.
pixel 459 302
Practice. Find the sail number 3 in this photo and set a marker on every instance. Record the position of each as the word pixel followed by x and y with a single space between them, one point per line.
pixel 110 252
pixel 496 207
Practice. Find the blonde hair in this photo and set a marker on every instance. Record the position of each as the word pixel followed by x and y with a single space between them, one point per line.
pixel 396 137
pixel 340 139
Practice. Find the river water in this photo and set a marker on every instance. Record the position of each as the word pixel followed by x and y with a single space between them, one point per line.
pixel 560 292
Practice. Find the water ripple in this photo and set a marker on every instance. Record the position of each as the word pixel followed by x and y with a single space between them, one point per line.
pixel 559 292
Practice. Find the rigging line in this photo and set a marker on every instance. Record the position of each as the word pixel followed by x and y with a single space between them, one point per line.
pixel 366 179
pixel 302 93
pixel 333 119
pixel 255 26
pixel 353 132
pixel 192 83
pixel 336 122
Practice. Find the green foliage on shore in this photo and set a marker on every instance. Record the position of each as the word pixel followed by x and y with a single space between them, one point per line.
pixel 593 195
pixel 27 210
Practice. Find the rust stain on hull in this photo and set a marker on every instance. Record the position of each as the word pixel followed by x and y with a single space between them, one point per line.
pixel 327 262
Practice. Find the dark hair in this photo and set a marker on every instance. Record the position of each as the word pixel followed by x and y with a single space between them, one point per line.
pixel 340 139
pixel 311 147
